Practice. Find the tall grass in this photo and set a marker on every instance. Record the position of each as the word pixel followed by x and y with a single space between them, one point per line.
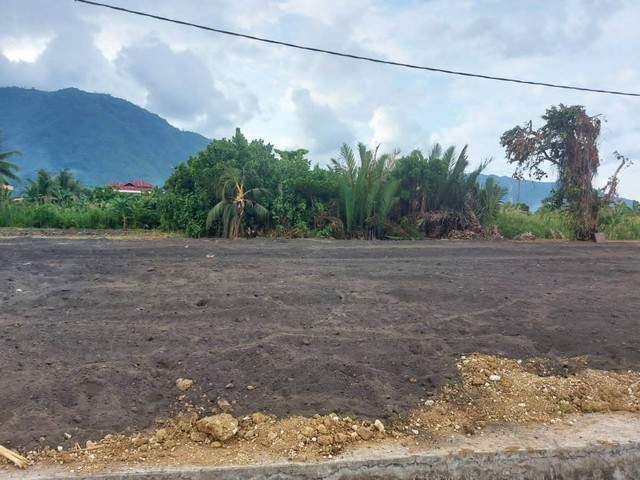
pixel 52 216
pixel 512 222
pixel 620 222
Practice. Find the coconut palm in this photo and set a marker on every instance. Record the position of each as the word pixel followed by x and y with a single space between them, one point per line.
pixel 7 169
pixel 40 190
pixel 234 202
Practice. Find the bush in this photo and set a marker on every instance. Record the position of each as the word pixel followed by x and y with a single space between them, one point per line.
pixel 513 222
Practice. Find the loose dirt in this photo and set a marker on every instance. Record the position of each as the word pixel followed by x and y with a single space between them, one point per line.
pixel 304 343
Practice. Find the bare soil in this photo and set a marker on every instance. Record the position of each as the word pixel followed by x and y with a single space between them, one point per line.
pixel 94 333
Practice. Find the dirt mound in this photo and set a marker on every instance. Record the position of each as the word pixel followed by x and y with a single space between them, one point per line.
pixel 490 391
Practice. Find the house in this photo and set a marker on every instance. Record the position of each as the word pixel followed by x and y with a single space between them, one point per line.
pixel 134 186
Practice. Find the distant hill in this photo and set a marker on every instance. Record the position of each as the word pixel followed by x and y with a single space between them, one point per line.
pixel 523 191
pixel 528 191
pixel 100 138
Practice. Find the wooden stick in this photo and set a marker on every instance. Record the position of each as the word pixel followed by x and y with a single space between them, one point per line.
pixel 16 458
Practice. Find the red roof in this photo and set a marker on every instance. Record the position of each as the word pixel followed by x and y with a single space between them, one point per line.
pixel 133 185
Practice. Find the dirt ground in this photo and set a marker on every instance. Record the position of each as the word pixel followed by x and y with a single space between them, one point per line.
pixel 94 332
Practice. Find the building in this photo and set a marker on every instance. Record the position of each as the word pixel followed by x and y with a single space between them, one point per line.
pixel 134 186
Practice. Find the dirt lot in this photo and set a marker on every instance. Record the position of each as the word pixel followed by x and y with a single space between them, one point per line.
pixel 94 331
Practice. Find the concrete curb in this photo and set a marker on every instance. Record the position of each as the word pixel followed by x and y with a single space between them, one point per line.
pixel 593 447
pixel 604 462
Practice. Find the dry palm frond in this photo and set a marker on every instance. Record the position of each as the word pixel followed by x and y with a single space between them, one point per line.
pixel 14 457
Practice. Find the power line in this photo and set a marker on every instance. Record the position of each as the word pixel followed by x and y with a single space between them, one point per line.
pixel 359 57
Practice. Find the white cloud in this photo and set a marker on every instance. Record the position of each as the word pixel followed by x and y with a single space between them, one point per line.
pixel 211 83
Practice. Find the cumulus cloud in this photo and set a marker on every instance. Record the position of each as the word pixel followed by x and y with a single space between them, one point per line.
pixel 211 83
pixel 320 123
pixel 177 84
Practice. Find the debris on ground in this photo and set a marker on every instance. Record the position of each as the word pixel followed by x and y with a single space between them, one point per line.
pixel 489 391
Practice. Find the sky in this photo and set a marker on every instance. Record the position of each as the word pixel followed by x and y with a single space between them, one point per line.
pixel 211 83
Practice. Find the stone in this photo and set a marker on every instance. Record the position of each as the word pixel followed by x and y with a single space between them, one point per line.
pixel 364 433
pixel 308 431
pixel 379 425
pixel 184 384
pixel 259 418
pixel 221 427
pixel 225 406
pixel 494 378
pixel 161 435
pixel 199 437
pixel 322 430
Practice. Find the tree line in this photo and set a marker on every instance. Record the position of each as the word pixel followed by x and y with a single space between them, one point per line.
pixel 235 187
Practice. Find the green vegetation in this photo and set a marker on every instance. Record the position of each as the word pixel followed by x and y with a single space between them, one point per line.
pixel 235 187
pixel 8 170
pixel 568 141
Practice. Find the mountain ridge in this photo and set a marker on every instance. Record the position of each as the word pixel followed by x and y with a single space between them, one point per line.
pixel 100 138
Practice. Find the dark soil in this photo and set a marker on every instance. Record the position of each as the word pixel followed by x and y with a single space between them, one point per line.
pixel 94 332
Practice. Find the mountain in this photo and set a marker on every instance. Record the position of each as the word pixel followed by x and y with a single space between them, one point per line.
pixel 98 137
pixel 529 192
pixel 522 191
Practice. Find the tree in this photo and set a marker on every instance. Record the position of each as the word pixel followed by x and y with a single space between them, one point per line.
pixel 41 189
pixel 490 197
pixel 568 141
pixel 368 192
pixel 235 199
pixel 451 193
pixel 7 169
pixel 193 187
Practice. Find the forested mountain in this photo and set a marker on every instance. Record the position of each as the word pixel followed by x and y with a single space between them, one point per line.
pixel 523 191
pixel 98 137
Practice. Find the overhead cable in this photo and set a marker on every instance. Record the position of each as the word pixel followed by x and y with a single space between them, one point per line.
pixel 359 57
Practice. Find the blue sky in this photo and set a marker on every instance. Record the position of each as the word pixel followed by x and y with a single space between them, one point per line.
pixel 210 83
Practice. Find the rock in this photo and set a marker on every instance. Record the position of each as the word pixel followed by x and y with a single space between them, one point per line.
pixel 90 444
pixel 494 378
pixel 378 424
pixel 161 435
pixel 324 440
pixel 140 440
pixel 342 437
pixel 225 406
pixel 216 444
pixel 308 431
pixel 322 430
pixel 250 387
pixel 199 437
pixel 221 427
pixel 259 418
pixel 429 403
pixel 184 384
pixel 364 433
pixel 272 435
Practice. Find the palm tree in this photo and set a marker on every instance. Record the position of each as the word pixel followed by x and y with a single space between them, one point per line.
pixel 489 200
pixel 368 193
pixel 234 201
pixel 67 189
pixel 7 169
pixel 41 189
pixel 452 202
